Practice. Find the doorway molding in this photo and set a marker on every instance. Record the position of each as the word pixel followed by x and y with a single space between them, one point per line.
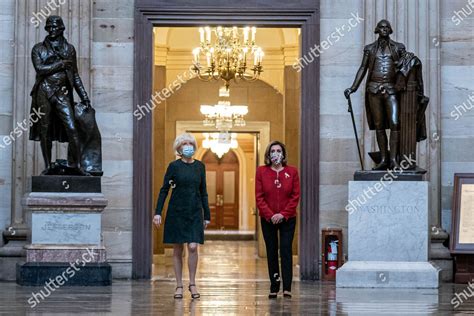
pixel 262 128
pixel 243 207
pixel 261 13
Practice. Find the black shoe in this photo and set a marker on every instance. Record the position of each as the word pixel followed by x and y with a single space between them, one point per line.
pixel 272 295
pixel 46 171
pixel 287 294
pixel 395 165
pixel 178 296
pixel 383 165
pixel 193 296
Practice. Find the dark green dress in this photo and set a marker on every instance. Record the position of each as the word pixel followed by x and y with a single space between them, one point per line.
pixel 184 219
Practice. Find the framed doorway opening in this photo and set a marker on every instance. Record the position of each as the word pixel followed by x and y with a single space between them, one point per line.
pixel 265 13
pixel 262 132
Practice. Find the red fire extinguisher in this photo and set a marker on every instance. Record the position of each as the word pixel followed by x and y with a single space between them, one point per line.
pixel 332 257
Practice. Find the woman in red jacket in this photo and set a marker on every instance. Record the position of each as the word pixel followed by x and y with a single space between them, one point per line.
pixel 277 193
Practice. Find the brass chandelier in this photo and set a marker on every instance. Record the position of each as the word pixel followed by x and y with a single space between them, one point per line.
pixel 224 116
pixel 226 57
pixel 220 143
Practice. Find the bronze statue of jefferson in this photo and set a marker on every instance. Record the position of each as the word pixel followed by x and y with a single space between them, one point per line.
pixel 57 76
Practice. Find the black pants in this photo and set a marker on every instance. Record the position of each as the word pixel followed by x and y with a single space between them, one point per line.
pixel 270 234
pixel 63 108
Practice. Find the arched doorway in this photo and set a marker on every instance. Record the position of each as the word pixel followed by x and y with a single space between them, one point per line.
pixel 222 177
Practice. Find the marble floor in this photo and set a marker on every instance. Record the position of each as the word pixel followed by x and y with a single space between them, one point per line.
pixel 232 281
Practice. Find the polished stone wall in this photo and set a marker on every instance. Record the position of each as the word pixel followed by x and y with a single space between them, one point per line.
pixel 7 53
pixel 112 92
pixel 338 152
pixel 457 86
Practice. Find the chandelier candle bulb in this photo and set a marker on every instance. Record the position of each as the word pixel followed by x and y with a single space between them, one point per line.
pixel 228 55
pixel 234 32
pixel 201 35
pixel 196 55
pixel 212 57
pixel 260 56
pixel 208 59
pixel 208 34
pixel 246 34
pixel 254 31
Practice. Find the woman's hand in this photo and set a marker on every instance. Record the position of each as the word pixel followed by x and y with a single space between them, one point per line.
pixel 277 218
pixel 157 220
pixel 206 223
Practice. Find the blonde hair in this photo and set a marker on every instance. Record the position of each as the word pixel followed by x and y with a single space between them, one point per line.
pixel 178 142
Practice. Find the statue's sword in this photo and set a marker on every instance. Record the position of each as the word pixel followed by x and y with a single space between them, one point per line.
pixel 349 109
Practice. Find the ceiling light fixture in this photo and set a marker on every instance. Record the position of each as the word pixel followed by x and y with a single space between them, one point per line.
pixel 226 55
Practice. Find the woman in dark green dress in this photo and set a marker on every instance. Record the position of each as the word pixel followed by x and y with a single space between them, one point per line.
pixel 188 210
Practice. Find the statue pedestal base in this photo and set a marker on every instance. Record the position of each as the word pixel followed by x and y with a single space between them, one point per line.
pixel 386 175
pixel 391 274
pixel 440 255
pixel 65 240
pixel 66 253
pixel 389 236
pixel 69 184
pixel 60 273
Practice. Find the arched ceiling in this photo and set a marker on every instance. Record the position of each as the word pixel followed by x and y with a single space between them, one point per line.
pixel 174 45
pixel 179 38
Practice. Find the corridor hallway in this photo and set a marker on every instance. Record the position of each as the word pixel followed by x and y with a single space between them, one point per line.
pixel 222 261
pixel 232 280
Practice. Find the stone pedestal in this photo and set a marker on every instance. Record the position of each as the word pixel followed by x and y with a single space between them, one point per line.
pixel 69 184
pixel 12 253
pixel 65 236
pixel 388 238
pixel 440 255
pixel 386 301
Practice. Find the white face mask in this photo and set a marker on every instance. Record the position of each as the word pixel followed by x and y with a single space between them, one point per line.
pixel 276 157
